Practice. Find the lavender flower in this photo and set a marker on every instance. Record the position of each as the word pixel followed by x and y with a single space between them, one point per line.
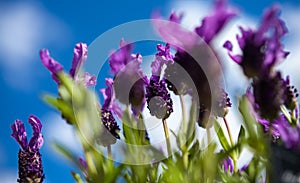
pixel 214 23
pixel 129 80
pixel 290 135
pixel 79 57
pixel 268 94
pixel 262 48
pixel 222 103
pixel 158 98
pixel 30 162
pixel 110 133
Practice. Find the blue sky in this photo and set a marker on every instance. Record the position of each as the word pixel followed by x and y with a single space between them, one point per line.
pixel 25 27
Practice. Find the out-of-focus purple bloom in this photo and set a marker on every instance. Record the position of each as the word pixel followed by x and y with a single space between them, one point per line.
pixel 175 18
pixel 227 165
pixel 261 48
pixel 222 103
pixel 290 135
pixel 30 162
pixel 53 66
pixel 79 57
pixel 129 80
pixel 266 124
pixel 268 94
pixel 290 95
pixel 213 24
pixel 110 133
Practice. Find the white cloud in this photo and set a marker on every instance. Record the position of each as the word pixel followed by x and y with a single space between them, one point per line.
pixel 25 28
pixel 8 176
pixel 291 65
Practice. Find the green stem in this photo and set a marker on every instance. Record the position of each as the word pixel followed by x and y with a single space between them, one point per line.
pixel 109 153
pixel 232 143
pixel 166 130
pixel 182 109
pixel 184 124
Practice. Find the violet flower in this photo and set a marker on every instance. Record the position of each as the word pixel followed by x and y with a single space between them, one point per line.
pixel 214 23
pixel 290 135
pixel 158 98
pixel 30 162
pixel 110 134
pixel 261 48
pixel 129 80
pixel 227 165
pixel 268 93
pixel 79 57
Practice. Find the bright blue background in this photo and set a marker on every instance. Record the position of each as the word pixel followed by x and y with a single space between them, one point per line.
pixel 86 20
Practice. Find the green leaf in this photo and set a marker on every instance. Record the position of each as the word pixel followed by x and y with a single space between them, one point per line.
pixel 241 138
pixel 77 177
pixel 222 138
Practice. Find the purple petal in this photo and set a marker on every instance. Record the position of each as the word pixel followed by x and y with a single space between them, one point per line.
pixel 19 133
pixel 79 57
pixel 228 45
pixel 35 123
pixel 53 66
pixel 37 139
pixel 176 18
pixel 36 142
pixel 89 80
pixel 213 24
pixel 120 58
pixel 228 165
pixel 108 93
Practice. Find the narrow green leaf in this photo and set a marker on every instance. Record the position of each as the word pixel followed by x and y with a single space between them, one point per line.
pixel 76 177
pixel 223 140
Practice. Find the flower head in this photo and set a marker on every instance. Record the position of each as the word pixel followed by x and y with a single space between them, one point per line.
pixel 227 165
pixel 79 57
pixel 261 48
pixel 30 162
pixel 110 134
pixel 268 95
pixel 129 80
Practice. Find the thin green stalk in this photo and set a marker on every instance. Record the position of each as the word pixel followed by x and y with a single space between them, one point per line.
pixel 184 124
pixel 232 143
pixel 166 130
pixel 182 109
pixel 109 153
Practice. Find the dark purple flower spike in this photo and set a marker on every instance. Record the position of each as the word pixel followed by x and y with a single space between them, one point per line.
pixel 30 162
pixel 110 133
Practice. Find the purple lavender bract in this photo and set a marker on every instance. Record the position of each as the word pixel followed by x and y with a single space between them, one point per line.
pixel 30 162
pixel 261 50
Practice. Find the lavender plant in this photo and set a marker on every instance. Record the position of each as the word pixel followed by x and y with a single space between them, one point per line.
pixel 269 108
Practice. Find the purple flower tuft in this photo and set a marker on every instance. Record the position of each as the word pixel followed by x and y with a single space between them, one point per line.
pixel 262 48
